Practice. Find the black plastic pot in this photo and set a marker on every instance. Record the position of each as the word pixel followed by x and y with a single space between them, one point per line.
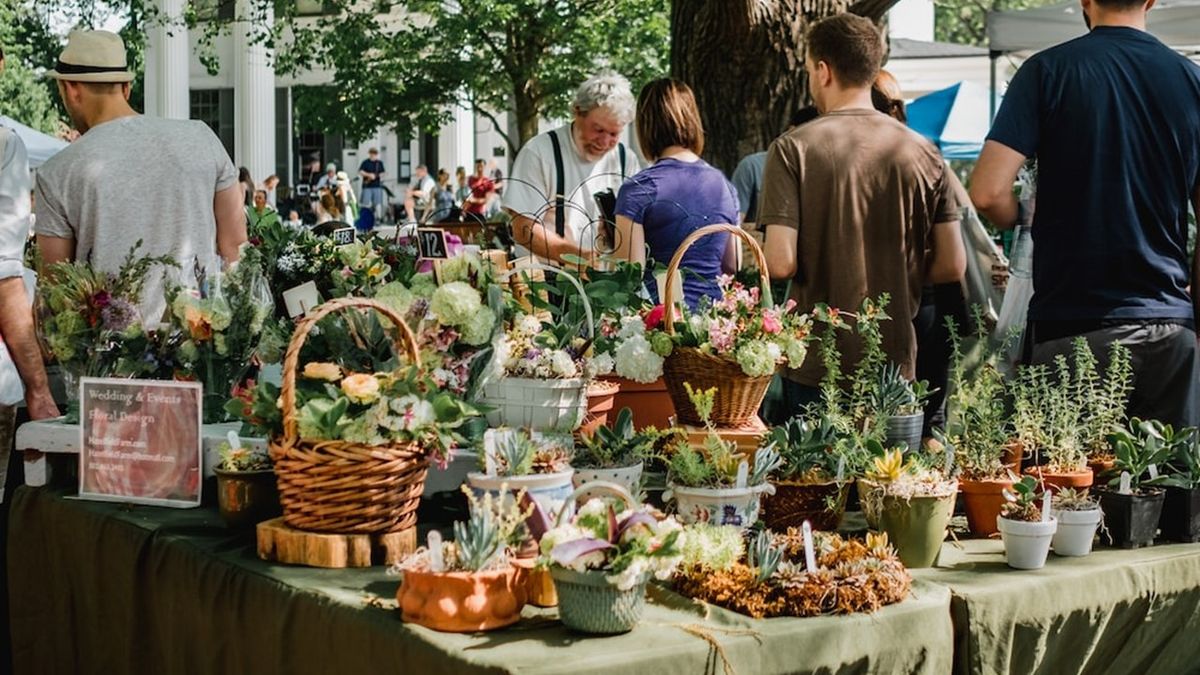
pixel 1180 520
pixel 1132 520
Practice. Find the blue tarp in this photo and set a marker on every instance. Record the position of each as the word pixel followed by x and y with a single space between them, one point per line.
pixel 40 147
pixel 956 119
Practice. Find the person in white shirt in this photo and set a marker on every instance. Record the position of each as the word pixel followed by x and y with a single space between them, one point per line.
pixel 418 201
pixel 551 192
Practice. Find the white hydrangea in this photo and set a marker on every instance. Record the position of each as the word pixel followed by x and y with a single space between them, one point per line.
pixel 562 365
pixel 635 360
pixel 602 364
pixel 478 328
pixel 631 326
pixel 528 324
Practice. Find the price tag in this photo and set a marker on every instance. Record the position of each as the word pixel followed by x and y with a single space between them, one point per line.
pixel 810 557
pixel 743 474
pixel 434 543
pixel 342 236
pixel 841 470
pixel 1125 488
pixel 431 242
pixel 1153 471
pixel 1046 497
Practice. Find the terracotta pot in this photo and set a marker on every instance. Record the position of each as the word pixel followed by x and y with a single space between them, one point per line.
pixel 1099 466
pixel 982 500
pixel 600 397
pixel 246 498
pixel 1054 482
pixel 1014 452
pixel 650 403
pixel 794 503
pixel 462 602
pixel 539 585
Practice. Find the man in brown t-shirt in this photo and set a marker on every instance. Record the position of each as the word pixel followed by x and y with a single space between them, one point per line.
pixel 855 203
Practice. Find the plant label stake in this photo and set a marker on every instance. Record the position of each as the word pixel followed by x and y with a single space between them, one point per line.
pixel 434 542
pixel 810 559
pixel 949 460
pixel 1046 496
pixel 743 474
pixel 1153 471
pixel 234 441
pixel 841 472
pixel 1125 489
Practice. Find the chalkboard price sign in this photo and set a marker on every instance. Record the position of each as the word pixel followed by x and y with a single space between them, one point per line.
pixel 343 236
pixel 432 243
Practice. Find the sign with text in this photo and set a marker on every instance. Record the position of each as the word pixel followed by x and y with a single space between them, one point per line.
pixel 432 243
pixel 343 236
pixel 140 441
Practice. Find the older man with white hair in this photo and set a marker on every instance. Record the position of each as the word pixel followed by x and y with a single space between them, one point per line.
pixel 559 176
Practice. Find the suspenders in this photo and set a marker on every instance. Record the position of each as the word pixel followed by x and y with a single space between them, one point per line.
pixel 560 215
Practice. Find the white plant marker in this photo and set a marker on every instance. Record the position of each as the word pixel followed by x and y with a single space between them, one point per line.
pixel 434 542
pixel 841 472
pixel 810 558
pixel 489 463
pixel 1153 471
pixel 743 474
pixel 234 441
pixel 1125 489
pixel 949 460
pixel 1046 497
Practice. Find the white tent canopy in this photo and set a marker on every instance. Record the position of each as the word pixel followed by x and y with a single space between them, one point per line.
pixel 1175 22
pixel 39 146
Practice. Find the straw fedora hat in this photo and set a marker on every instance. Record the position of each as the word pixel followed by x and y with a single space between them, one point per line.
pixel 92 56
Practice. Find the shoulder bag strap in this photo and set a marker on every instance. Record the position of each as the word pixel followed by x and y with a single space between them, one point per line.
pixel 559 200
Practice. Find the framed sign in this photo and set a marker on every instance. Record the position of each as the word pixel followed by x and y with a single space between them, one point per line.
pixel 140 441
pixel 300 299
pixel 431 241
pixel 343 236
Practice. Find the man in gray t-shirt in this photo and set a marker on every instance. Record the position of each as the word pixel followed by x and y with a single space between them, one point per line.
pixel 93 199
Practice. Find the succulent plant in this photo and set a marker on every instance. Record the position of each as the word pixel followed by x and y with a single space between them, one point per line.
pixel 1070 499
pixel 515 454
pixel 619 446
pixel 894 395
pixel 763 557
pixel 888 468
pixel 1022 501
pixel 478 541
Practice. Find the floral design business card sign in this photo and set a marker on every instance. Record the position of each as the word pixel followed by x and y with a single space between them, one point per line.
pixel 140 441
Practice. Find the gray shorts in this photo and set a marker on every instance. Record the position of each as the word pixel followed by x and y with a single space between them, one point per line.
pixel 371 197
pixel 1166 367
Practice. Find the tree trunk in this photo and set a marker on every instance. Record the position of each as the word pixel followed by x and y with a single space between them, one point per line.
pixel 744 59
pixel 527 111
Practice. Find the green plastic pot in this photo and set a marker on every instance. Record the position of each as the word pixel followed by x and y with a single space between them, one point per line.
pixel 589 603
pixel 916 527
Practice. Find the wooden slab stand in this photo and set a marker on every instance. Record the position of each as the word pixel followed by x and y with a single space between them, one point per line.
pixel 747 438
pixel 280 543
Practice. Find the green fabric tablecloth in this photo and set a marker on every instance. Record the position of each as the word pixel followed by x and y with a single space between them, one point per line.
pixel 107 588
pixel 1113 611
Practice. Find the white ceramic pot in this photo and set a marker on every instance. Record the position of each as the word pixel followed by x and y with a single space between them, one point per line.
pixel 550 490
pixel 1076 530
pixel 1026 545
pixel 719 506
pixel 627 477
pixel 543 405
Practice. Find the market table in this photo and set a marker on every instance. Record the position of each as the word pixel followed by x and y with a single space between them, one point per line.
pixel 111 588
pixel 1110 612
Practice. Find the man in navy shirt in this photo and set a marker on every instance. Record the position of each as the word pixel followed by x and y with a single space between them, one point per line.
pixel 1113 119
pixel 371 171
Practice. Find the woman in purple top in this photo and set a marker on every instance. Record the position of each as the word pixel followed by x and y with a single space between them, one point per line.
pixel 676 195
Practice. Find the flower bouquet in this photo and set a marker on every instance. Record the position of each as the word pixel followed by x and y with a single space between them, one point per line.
pixel 771 576
pixel 221 315
pixel 602 559
pixel 86 317
pixel 735 344
pixel 351 449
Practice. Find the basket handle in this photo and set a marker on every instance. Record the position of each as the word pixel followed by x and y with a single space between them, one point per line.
pixel 673 269
pixel 406 342
pixel 568 509
pixel 587 305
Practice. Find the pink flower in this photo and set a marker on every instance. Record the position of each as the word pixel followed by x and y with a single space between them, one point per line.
pixel 721 333
pixel 346 273
pixel 724 280
pixel 789 305
pixel 655 317
pixel 771 322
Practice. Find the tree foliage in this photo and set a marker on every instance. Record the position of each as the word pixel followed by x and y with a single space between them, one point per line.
pixel 965 21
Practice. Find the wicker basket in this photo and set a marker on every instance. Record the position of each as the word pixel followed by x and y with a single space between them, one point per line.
pixel 338 486
pixel 738 395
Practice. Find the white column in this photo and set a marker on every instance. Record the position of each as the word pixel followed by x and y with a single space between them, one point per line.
pixel 253 94
pixel 167 63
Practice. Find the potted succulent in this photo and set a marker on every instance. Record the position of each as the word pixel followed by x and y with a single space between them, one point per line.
pixel 977 431
pixel 514 459
pixel 716 483
pixel 614 455
pixel 901 403
pixel 246 490
pixel 914 501
pixel 602 558
pixel 1131 505
pixel 1180 519
pixel 808 483
pixel 469 584
pixel 1078 515
pixel 1026 531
